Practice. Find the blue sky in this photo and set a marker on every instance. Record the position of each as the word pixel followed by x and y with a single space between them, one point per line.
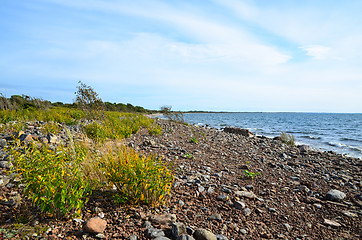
pixel 218 55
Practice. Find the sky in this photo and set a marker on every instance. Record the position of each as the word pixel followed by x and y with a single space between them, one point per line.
pixel 212 55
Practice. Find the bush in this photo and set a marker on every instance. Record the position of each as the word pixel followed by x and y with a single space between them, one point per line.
pixel 287 138
pixel 89 101
pixel 53 180
pixel 95 131
pixel 171 115
pixel 138 179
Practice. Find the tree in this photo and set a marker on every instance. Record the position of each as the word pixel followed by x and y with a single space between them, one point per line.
pixel 88 100
pixel 171 115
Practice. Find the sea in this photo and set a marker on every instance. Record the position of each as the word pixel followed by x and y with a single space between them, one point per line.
pixel 337 132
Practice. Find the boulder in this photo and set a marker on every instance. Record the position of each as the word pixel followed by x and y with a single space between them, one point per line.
pixel 240 131
pixel 164 219
pixel 203 234
pixel 178 229
pixel 95 225
pixel 185 237
pixel 335 195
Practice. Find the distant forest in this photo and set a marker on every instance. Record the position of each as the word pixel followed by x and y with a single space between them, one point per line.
pixel 26 102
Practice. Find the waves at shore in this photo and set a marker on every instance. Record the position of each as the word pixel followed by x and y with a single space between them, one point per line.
pixel 341 133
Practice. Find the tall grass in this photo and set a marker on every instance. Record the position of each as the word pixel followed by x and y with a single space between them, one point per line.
pixel 59 181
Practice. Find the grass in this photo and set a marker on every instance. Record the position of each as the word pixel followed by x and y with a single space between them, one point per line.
pixel 287 138
pixel 59 181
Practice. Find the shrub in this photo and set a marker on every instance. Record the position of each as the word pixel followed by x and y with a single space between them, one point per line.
pixel 53 180
pixel 95 131
pixel 138 179
pixel 171 115
pixel 287 138
pixel 155 129
pixel 88 100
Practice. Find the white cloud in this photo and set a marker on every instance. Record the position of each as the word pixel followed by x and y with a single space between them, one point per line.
pixel 317 51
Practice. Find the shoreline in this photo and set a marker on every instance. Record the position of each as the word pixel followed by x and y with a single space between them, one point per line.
pixel 319 140
pixel 212 190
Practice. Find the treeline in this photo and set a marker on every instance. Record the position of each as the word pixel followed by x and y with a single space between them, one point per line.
pixel 16 102
pixel 108 106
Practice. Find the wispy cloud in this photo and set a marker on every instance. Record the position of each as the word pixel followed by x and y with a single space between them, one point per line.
pixel 316 51
pixel 216 54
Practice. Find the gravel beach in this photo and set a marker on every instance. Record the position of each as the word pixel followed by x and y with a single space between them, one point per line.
pixel 227 186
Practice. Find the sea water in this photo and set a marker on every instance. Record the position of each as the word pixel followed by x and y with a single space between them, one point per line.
pixel 338 132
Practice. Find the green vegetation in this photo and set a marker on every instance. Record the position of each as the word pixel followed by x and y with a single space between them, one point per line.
pixel 54 179
pixel 89 101
pixel 287 138
pixel 194 140
pixel 60 179
pixel 188 155
pixel 172 115
pixel 250 174
pixel 138 179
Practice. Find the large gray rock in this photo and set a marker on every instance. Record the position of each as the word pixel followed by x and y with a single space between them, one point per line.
pixel 185 237
pixel 178 229
pixel 203 234
pixel 240 131
pixel 335 195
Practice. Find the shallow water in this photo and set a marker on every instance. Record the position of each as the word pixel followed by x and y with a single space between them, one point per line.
pixel 338 132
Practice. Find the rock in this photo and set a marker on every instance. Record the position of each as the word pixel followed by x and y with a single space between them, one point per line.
pixel 162 238
pixel 155 233
pixel 185 237
pixel 181 203
pixel 4 180
pixel 203 234
pixel 222 197
pixel 190 230
pixel 164 219
pixel 239 205
pixel 52 138
pixel 178 229
pixel 133 237
pixel 246 194
pixel 331 223
pixel 78 220
pixel 100 236
pixel 6 164
pixel 287 226
pixel 200 189
pixel 2 143
pixel 349 214
pixel 221 237
pixel 26 138
pixel 17 134
pixel 335 195
pixel 216 217
pixel 305 148
pixel 240 131
pixel 210 190
pixel 95 225
pixel 272 209
pixel 247 211
pixel 226 190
